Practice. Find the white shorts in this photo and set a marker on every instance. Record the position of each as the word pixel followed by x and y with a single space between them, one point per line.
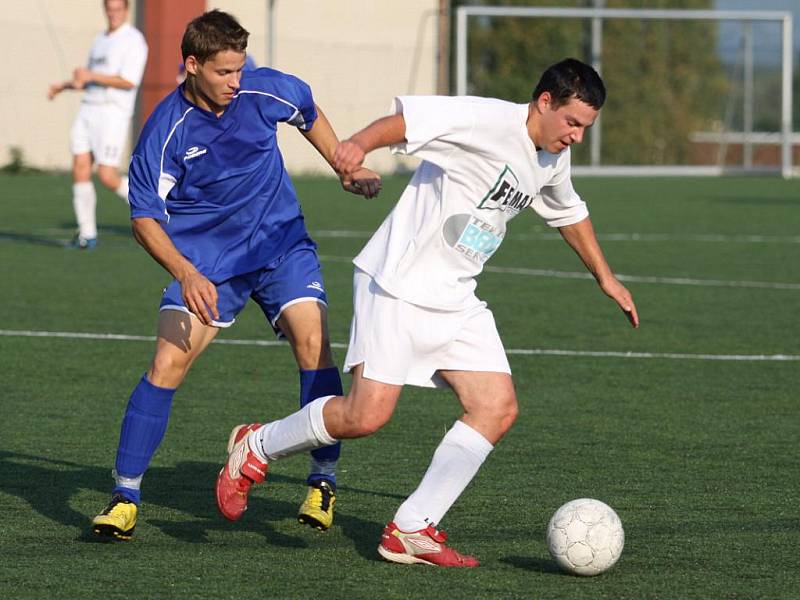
pixel 102 130
pixel 401 343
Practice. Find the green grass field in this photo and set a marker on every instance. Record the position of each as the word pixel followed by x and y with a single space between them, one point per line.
pixel 688 427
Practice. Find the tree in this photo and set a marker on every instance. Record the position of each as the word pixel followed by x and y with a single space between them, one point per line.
pixel 664 78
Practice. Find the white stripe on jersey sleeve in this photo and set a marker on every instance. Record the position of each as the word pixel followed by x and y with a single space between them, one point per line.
pixel 297 117
pixel 166 181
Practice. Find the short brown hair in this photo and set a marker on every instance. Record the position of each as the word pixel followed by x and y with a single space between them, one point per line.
pixel 212 32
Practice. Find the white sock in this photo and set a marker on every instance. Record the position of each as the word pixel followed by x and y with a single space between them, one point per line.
pixel 133 483
pixel 455 462
pixel 300 431
pixel 323 467
pixel 84 201
pixel 122 190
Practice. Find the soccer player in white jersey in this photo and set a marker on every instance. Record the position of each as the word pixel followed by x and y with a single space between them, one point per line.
pixel 416 318
pixel 212 202
pixel 109 84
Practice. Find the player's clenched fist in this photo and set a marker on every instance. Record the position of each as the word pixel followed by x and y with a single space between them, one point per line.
pixel 348 157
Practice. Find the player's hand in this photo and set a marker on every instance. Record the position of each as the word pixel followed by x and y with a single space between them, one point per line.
pixel 348 158
pixel 200 296
pixel 620 294
pixel 363 182
pixel 56 88
pixel 80 77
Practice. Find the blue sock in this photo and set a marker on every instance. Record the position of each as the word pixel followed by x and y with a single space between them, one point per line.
pixel 143 428
pixel 313 385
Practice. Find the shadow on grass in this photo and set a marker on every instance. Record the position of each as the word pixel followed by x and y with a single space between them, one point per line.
pixel 103 230
pixel 38 240
pixel 48 485
pixel 532 563
pixel 53 242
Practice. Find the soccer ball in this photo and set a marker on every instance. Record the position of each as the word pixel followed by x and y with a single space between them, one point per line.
pixel 585 537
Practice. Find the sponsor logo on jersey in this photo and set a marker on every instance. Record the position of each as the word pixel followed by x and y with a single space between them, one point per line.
pixel 472 237
pixel 194 152
pixel 315 285
pixel 505 195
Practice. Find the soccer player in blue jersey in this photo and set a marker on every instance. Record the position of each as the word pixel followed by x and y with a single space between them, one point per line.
pixel 212 203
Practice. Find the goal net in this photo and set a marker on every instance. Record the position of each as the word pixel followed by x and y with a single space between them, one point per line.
pixel 690 91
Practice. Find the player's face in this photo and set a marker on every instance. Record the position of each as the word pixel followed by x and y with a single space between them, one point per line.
pixel 116 13
pixel 216 80
pixel 557 128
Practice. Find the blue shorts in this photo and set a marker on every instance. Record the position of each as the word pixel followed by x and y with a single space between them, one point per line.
pixel 297 278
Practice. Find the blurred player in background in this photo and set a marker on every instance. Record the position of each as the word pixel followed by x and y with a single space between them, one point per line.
pixel 110 82
pixel 212 202
pixel 417 319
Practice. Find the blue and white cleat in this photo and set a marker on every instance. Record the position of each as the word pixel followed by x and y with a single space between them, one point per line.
pixel 82 243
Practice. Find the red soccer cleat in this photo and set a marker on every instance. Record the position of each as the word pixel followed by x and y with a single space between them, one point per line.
pixel 242 469
pixel 426 546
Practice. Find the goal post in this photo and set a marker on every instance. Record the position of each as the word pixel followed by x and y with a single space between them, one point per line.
pixel 782 137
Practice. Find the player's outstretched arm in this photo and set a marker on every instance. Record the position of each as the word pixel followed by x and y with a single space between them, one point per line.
pixel 350 154
pixel 322 136
pixel 56 88
pixel 198 292
pixel 82 76
pixel 581 238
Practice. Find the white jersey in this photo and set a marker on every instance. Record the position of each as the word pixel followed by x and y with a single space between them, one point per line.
pixel 122 52
pixel 480 169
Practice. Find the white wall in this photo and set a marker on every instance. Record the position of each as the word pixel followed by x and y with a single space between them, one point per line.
pixel 355 54
pixel 41 42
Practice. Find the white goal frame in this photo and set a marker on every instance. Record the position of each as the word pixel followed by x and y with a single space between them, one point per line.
pixel 597 15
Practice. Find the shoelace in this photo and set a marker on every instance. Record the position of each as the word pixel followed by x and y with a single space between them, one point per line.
pixel 116 500
pixel 437 535
pixel 325 497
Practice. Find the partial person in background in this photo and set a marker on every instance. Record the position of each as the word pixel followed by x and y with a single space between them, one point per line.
pixel 109 83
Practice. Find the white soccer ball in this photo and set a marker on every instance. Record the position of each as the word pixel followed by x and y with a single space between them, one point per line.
pixel 585 537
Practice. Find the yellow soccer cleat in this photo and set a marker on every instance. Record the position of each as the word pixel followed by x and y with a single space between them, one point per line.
pixel 317 509
pixel 117 521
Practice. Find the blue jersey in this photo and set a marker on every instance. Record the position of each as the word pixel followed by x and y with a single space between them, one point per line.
pixel 218 185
